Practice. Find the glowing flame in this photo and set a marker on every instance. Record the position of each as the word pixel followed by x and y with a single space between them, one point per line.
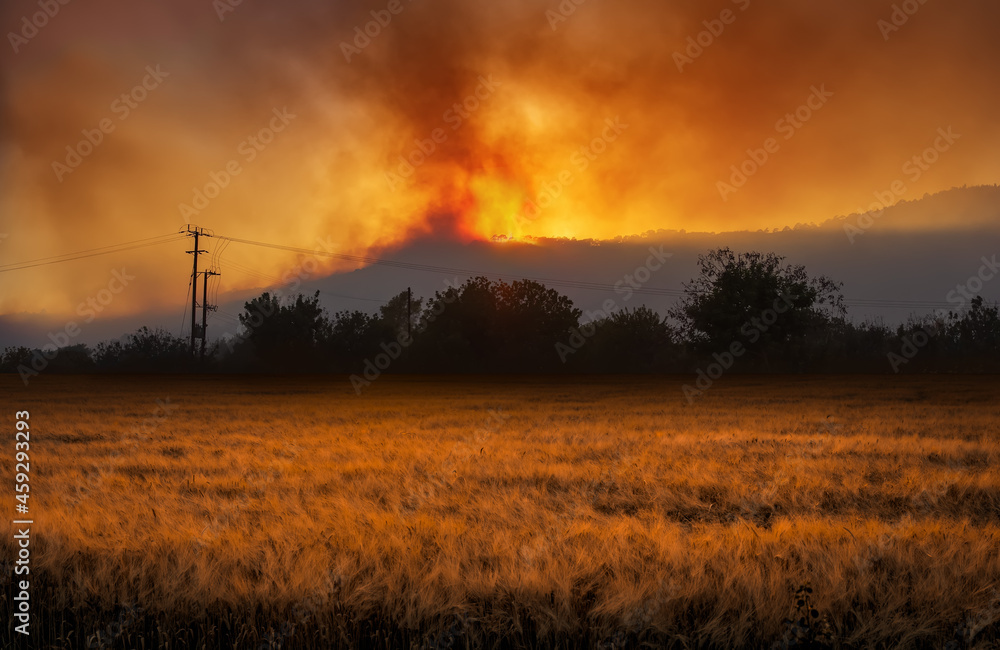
pixel 499 208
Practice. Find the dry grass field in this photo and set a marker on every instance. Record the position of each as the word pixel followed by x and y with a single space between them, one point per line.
pixel 225 512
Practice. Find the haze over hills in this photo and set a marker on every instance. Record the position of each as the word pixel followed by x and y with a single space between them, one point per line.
pixel 917 250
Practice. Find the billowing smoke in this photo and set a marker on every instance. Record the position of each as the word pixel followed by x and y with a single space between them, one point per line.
pixel 447 119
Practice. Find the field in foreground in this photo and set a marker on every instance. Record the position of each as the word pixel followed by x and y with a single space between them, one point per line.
pixel 455 512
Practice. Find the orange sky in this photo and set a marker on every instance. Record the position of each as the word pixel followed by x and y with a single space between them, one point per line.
pixel 579 125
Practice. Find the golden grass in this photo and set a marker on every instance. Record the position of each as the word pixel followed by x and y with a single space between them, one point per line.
pixel 521 510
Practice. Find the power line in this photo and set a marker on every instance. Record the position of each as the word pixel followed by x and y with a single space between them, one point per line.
pixel 412 266
pixel 446 270
pixel 93 252
pixel 895 303
pixel 556 282
pixel 338 295
pixel 279 282
pixel 217 251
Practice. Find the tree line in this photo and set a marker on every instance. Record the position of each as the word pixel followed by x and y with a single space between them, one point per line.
pixel 746 312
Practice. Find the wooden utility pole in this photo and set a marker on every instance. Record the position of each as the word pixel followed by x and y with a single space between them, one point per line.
pixel 204 313
pixel 409 314
pixel 196 232
pixel 194 289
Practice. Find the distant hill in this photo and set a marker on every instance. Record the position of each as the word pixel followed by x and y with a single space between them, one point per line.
pixel 917 250
pixel 966 208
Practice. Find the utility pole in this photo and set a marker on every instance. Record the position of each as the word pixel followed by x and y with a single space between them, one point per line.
pixel 204 313
pixel 409 315
pixel 194 289
pixel 196 232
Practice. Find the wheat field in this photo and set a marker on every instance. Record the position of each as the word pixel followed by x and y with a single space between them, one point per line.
pixel 453 512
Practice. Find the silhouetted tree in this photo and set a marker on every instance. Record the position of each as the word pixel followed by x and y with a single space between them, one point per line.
pixel 13 357
pixel 71 359
pixel 781 317
pixel 959 341
pixel 394 312
pixel 355 336
pixel 976 332
pixel 530 320
pixel 29 363
pixel 843 346
pixel 145 350
pixel 285 338
pixel 494 326
pixel 756 300
pixel 629 341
